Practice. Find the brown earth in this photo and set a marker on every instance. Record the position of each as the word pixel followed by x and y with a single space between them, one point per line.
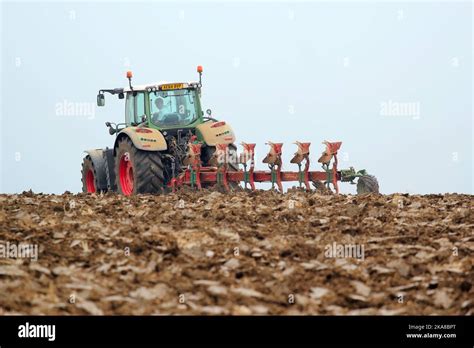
pixel 238 253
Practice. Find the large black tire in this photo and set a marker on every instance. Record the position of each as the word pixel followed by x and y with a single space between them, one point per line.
pixel 147 170
pixel 90 179
pixel 207 153
pixel 367 184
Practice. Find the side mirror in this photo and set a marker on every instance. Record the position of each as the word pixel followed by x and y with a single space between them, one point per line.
pixel 209 112
pixel 112 130
pixel 100 99
pixel 121 96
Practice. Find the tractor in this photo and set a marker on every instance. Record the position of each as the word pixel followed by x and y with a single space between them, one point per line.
pixel 167 142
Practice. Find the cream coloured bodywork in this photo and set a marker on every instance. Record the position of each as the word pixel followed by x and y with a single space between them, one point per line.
pixel 152 140
pixel 212 133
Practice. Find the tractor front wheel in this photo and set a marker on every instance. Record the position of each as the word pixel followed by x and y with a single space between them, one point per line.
pixel 138 171
pixel 89 176
pixel 367 184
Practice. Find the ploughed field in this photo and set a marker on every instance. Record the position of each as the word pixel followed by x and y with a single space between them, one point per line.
pixel 239 253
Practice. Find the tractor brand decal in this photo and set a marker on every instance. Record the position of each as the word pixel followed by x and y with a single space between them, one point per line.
pixel 172 86
pixel 149 140
pixel 223 133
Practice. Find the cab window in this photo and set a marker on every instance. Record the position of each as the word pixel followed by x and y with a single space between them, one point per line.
pixel 134 108
pixel 140 107
pixel 173 108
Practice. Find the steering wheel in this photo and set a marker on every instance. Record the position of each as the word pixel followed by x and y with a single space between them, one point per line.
pixel 171 118
pixel 155 117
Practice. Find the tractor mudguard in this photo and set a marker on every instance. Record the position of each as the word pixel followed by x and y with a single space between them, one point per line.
pixel 146 139
pixel 99 161
pixel 213 133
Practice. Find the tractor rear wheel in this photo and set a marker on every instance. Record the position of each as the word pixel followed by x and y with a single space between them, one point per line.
pixel 367 184
pixel 138 171
pixel 89 176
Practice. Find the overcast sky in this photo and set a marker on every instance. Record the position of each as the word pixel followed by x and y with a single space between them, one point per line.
pixel 392 81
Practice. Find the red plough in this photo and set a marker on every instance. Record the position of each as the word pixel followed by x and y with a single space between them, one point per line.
pixel 221 175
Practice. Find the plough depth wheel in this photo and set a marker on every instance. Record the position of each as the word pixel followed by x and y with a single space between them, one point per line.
pixel 367 184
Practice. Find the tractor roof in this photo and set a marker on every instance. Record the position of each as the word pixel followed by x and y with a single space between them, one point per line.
pixel 158 85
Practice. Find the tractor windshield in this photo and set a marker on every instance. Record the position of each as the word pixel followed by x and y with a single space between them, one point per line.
pixel 173 108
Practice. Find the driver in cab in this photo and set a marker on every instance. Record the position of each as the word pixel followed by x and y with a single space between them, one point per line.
pixel 158 115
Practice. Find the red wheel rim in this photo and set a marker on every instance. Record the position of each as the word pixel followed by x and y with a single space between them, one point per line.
pixel 126 174
pixel 90 181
